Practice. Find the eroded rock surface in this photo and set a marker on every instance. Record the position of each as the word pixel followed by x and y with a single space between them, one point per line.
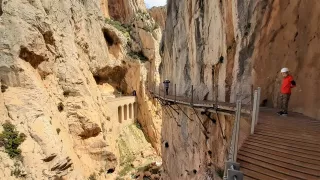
pixel 58 61
pixel 159 14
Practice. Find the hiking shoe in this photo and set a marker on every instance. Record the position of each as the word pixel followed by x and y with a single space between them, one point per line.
pixel 280 113
pixel 284 114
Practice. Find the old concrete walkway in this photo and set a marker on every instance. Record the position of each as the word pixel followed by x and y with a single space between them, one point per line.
pixel 122 108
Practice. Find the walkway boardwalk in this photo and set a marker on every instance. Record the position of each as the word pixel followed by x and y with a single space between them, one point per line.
pixel 282 148
pixel 204 104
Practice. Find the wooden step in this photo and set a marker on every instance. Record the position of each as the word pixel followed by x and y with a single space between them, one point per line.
pixel 274 139
pixel 284 159
pixel 308 157
pixel 284 136
pixel 281 164
pixel 257 167
pixel 311 154
pixel 294 131
pixel 290 156
pixel 253 175
pixel 277 169
pixel 311 131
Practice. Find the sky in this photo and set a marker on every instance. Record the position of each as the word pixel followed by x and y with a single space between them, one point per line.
pixel 151 3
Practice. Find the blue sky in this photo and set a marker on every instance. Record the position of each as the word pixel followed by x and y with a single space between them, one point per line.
pixel 151 3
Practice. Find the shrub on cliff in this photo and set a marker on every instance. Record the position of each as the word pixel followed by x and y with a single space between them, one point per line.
pixel 121 27
pixel 11 139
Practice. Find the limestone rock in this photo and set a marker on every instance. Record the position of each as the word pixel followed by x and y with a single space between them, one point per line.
pixel 105 8
pixel 159 14
pixel 124 10
pixel 147 42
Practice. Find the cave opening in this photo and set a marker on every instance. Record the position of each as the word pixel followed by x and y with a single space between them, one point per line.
pixel 111 170
pixel 108 37
pixel 166 144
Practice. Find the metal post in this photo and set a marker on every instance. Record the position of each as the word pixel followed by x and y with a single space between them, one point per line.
pixel 175 93
pixel 238 116
pixel 258 105
pixel 191 95
pixel 254 111
pixel 164 92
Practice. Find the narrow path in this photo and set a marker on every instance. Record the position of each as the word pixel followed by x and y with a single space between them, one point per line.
pixel 203 104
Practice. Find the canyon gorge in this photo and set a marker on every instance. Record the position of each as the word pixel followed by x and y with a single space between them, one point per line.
pixel 78 80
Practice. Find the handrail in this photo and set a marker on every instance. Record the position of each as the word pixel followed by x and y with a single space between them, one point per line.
pixel 205 104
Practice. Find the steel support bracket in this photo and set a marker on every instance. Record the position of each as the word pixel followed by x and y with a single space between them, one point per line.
pixel 236 166
pixel 234 175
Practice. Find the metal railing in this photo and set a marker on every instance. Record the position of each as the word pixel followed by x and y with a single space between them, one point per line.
pixel 232 168
pixel 256 108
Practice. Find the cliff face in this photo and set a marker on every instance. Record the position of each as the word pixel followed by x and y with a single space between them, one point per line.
pixel 159 14
pixel 59 64
pixel 202 48
pixel 289 37
pixel 223 48
pixel 123 10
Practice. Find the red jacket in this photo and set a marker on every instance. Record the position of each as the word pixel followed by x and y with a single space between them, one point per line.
pixel 287 85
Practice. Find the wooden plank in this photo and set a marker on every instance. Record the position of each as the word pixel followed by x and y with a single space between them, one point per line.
pixel 279 157
pixel 278 171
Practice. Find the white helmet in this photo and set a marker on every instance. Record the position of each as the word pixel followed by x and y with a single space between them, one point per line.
pixel 284 70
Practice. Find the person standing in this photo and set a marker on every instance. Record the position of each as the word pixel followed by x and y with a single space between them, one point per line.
pixel 287 84
pixel 166 85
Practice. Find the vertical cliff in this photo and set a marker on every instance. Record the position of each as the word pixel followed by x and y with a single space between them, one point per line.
pixel 223 48
pixel 124 10
pixel 159 14
pixel 60 62
pixel 289 37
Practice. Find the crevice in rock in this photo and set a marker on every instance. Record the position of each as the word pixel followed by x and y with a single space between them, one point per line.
pixel 1 12
pixel 113 42
pixel 48 37
pixel 31 57
pixel 60 107
pixel 49 158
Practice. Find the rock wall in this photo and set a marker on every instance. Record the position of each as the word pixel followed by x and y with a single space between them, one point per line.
pixel 159 14
pixel 57 62
pixel 289 37
pixel 105 8
pixel 226 48
pixel 124 10
pixel 202 48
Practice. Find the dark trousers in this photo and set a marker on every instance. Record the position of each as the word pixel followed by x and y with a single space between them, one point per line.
pixel 167 90
pixel 284 102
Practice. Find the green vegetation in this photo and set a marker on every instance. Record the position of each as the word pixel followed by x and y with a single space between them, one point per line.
pixel 17 170
pixel 220 172
pixel 11 139
pixel 138 55
pixel 126 158
pixel 125 29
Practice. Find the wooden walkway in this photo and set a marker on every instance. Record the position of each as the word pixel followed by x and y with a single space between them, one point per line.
pixel 204 105
pixel 286 148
